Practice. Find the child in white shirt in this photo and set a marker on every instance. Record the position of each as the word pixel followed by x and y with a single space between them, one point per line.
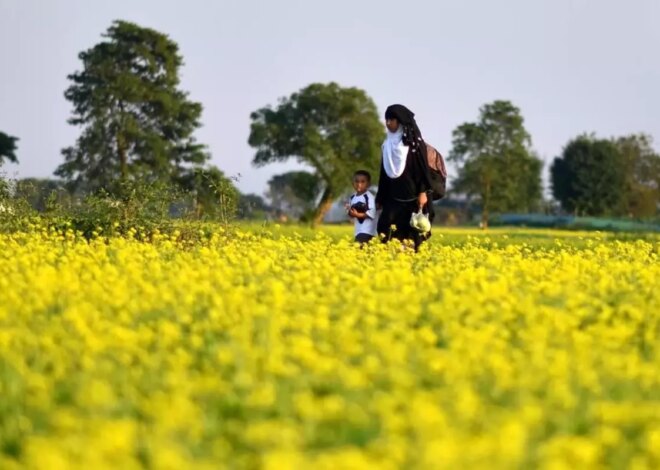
pixel 362 207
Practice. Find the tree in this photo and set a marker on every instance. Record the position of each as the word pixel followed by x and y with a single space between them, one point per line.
pixel 589 178
pixel 334 130
pixel 642 175
pixel 294 193
pixel 41 193
pixel 252 206
pixel 496 161
pixel 136 122
pixel 216 196
pixel 7 148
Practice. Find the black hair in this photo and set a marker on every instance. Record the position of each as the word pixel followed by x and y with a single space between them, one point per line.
pixel 364 173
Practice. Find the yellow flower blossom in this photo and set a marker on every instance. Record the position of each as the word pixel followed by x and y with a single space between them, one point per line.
pixel 260 348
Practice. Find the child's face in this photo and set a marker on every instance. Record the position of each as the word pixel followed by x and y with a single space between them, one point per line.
pixel 360 183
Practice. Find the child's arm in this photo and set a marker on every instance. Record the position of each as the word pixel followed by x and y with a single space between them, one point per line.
pixel 371 211
pixel 352 213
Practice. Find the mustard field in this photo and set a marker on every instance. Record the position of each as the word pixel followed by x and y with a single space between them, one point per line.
pixel 262 348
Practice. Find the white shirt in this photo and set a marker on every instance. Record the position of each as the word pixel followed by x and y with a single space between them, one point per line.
pixel 368 225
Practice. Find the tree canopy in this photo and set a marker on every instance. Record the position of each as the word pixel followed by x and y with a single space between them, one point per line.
pixel 136 122
pixel 495 161
pixel 332 129
pixel 7 148
pixel 589 178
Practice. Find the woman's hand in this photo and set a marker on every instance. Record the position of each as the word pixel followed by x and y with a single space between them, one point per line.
pixel 422 199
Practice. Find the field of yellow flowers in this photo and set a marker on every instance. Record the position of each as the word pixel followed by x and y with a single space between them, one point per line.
pixel 266 349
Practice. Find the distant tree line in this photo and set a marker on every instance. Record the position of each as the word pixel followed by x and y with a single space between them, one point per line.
pixel 137 126
pixel 608 177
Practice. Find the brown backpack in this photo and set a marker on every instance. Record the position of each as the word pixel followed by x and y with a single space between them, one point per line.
pixel 437 172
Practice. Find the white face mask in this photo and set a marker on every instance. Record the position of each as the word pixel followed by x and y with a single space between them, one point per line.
pixel 394 153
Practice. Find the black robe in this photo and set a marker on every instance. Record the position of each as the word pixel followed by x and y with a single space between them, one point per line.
pixel 398 198
pixel 413 181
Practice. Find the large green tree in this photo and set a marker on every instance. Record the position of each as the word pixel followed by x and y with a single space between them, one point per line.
pixel 590 177
pixel 7 148
pixel 332 129
pixel 136 121
pixel 495 161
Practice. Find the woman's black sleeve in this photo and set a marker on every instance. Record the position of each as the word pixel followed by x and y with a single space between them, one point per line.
pixel 421 171
pixel 381 195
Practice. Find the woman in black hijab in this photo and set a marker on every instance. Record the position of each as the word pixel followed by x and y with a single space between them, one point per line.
pixel 404 182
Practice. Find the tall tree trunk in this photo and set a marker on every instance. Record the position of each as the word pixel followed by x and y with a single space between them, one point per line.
pixel 324 206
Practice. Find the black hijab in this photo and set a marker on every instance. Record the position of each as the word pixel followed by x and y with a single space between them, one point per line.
pixel 412 136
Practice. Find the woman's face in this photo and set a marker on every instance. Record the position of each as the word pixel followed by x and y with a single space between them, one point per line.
pixel 392 125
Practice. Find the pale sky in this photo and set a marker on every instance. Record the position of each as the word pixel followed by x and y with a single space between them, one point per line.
pixel 572 66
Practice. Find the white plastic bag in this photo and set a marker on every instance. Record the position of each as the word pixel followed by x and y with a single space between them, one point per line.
pixel 420 221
